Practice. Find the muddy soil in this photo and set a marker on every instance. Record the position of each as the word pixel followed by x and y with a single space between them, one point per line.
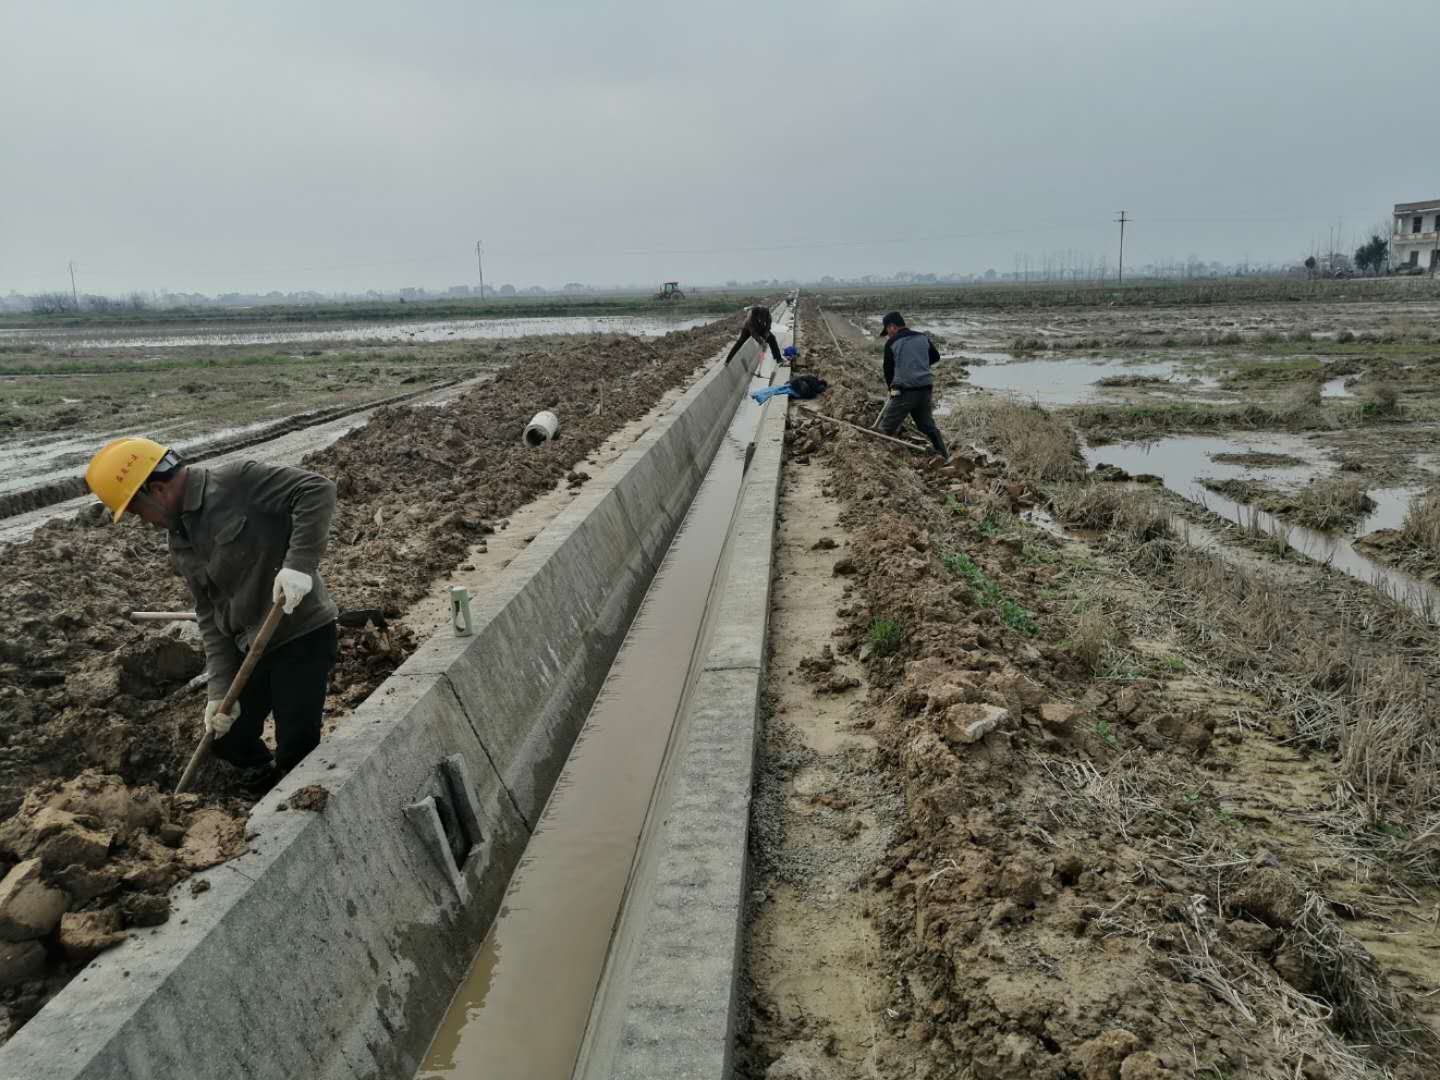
pixel 56 408
pixel 1111 860
pixel 83 688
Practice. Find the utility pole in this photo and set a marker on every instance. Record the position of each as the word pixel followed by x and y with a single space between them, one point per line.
pixel 74 296
pixel 1122 219
pixel 480 262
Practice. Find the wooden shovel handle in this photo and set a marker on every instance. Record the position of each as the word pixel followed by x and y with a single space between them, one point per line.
pixel 237 684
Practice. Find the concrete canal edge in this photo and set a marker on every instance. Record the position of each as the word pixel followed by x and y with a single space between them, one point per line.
pixel 332 948
pixel 668 1005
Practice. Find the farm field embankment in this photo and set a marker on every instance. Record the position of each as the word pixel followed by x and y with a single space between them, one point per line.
pixel 1167 798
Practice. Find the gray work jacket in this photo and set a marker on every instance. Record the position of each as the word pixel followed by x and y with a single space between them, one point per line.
pixel 240 524
pixel 908 356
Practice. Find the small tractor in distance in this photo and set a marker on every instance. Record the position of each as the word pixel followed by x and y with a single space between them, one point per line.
pixel 670 290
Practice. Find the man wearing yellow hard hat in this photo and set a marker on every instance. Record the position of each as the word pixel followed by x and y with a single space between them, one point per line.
pixel 243 535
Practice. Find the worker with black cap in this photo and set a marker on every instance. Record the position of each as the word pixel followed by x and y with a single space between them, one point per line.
pixel 908 356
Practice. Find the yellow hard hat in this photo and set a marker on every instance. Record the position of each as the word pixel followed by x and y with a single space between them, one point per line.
pixel 117 472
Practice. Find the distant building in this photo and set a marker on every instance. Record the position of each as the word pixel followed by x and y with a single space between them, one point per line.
pixel 1416 239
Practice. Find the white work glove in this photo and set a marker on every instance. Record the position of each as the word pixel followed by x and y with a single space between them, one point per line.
pixel 293 586
pixel 217 722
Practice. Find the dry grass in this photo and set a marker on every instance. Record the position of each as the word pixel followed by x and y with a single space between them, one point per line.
pixel 1421 528
pixel 1328 504
pixel 1374 708
pixel 1093 637
pixel 1336 502
pixel 1112 508
pixel 1366 1008
pixel 1347 1019
pixel 1381 399
pixel 1340 689
pixel 1034 444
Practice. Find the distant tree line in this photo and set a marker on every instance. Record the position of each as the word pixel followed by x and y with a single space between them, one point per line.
pixel 63 303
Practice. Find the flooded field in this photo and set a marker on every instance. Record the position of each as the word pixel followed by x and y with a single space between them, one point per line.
pixel 1074 382
pixel 365 333
pixel 1312 427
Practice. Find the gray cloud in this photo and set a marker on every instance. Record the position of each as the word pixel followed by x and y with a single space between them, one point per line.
pixel 340 146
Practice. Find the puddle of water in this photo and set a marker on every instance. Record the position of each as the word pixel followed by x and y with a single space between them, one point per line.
pixel 1077 382
pixel 1182 459
pixel 1336 388
pixel 25 463
pixel 1391 505
pixel 1041 519
pixel 524 1006
pixel 1179 462
pixel 441 330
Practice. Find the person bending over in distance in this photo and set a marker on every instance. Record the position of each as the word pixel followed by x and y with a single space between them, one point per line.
pixel 757 326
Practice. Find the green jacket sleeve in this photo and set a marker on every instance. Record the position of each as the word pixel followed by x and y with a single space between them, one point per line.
pixel 308 497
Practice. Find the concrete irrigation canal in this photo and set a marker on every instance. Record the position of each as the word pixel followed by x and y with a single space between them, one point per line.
pixel 544 819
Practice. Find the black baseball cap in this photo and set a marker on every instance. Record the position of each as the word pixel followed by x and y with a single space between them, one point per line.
pixel 892 318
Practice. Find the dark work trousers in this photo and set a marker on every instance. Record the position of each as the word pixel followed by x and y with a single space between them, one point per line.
pixel 915 404
pixel 289 680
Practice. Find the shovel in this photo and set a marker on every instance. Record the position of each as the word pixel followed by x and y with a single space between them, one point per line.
pixel 237 684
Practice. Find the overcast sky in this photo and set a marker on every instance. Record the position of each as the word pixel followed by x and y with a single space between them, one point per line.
pixel 343 146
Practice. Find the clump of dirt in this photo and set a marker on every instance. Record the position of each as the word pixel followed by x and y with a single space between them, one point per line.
pixel 311 797
pixel 85 861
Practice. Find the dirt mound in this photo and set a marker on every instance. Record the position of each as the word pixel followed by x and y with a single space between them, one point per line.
pixel 86 860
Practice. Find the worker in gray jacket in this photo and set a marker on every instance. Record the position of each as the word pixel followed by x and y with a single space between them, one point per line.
pixel 243 535
pixel 908 357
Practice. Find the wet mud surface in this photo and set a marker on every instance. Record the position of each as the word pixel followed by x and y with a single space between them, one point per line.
pixel 83 688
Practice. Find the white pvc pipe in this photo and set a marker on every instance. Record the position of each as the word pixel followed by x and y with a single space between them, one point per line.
pixel 543 427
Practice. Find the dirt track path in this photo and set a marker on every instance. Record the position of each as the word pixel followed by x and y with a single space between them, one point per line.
pixel 823 814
